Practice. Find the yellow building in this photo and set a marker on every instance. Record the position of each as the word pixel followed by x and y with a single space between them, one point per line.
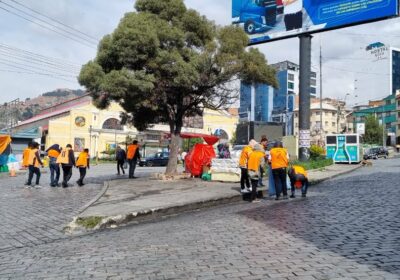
pixel 79 123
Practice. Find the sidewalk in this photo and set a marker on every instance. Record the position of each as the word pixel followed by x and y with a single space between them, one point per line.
pixel 123 201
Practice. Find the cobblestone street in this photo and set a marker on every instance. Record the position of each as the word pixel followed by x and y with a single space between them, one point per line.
pixel 347 228
pixel 35 216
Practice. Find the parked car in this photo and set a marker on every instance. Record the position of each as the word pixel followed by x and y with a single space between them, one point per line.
pixel 157 159
pixel 375 153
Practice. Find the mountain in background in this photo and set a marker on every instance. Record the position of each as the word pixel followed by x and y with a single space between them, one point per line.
pixel 13 112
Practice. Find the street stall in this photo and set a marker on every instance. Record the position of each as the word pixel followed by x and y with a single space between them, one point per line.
pixel 5 151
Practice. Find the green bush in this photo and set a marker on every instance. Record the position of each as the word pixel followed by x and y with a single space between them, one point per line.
pixel 313 164
pixel 317 152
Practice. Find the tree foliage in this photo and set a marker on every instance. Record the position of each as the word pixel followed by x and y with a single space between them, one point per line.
pixel 165 62
pixel 373 131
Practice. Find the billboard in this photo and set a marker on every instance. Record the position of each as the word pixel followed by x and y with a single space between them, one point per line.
pixel 267 20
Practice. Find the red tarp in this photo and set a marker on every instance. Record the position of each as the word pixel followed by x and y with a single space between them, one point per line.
pixel 199 156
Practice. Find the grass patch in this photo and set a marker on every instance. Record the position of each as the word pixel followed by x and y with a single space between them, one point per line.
pixel 89 222
pixel 319 164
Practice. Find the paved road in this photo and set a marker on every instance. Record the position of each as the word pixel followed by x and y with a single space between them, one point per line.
pixel 347 228
pixel 31 217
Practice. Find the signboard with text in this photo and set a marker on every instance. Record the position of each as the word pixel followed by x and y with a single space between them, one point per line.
pixel 267 20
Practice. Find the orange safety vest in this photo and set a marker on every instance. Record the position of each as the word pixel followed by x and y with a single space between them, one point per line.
pixel 82 160
pixel 244 156
pixel 63 158
pixel 25 157
pixel 255 160
pixel 279 158
pixel 53 153
pixel 131 151
pixel 299 170
pixel 32 158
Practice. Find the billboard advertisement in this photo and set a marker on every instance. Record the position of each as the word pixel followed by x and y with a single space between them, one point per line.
pixel 267 20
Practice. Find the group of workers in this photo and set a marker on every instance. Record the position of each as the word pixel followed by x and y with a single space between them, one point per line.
pixel 64 158
pixel 58 156
pixel 253 160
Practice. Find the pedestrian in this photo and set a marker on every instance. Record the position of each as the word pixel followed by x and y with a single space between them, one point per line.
pixel 298 179
pixel 120 156
pixel 183 155
pixel 83 163
pixel 255 163
pixel 67 161
pixel 244 176
pixel 279 159
pixel 133 156
pixel 263 143
pixel 53 152
pixel 34 163
pixel 25 160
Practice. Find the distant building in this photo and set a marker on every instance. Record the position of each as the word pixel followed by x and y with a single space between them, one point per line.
pixel 263 102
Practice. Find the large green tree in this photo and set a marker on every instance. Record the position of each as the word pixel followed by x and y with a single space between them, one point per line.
pixel 373 131
pixel 165 62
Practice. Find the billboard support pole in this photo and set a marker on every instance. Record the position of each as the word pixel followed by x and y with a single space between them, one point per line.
pixel 304 106
pixel 252 111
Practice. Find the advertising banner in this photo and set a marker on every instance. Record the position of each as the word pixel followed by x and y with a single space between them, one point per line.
pixel 266 20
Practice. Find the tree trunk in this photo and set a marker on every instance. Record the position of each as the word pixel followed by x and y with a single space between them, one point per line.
pixel 173 154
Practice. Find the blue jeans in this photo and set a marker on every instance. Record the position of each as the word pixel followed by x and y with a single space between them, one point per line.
pixel 54 170
pixel 271 182
pixel 302 179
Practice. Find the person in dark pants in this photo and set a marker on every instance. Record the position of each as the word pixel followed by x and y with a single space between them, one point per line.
pixel 133 156
pixel 67 160
pixel 298 178
pixel 83 163
pixel 255 163
pixel 243 160
pixel 120 156
pixel 53 152
pixel 263 143
pixel 279 159
pixel 34 164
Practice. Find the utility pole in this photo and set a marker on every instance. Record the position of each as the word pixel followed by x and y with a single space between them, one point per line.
pixel 320 89
pixel 304 108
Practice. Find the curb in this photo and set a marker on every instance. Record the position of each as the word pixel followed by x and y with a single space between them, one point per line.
pixel 151 214
pixel 95 199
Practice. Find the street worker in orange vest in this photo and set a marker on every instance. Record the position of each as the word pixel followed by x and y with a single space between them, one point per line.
pixel 53 152
pixel 133 156
pixel 67 161
pixel 255 164
pixel 279 158
pixel 34 163
pixel 25 160
pixel 244 176
pixel 83 163
pixel 298 179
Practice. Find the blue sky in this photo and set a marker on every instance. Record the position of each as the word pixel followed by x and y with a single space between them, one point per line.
pixel 345 60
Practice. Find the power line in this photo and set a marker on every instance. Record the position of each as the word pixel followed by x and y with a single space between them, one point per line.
pixel 37 61
pixel 35 68
pixel 46 27
pixel 36 73
pixel 39 13
pixel 32 54
pixel 90 41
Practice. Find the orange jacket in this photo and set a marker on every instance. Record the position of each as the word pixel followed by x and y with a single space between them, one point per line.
pixel 256 159
pixel 83 160
pixel 299 170
pixel 131 151
pixel 33 158
pixel 279 158
pixel 244 156
pixel 53 153
pixel 25 157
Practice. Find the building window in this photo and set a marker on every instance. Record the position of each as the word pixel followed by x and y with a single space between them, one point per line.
pixel 313 75
pixel 313 90
pixel 333 124
pixel 317 113
pixel 326 123
pixel 290 85
pixel 113 124
pixel 313 82
pixel 290 92
pixel 290 77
